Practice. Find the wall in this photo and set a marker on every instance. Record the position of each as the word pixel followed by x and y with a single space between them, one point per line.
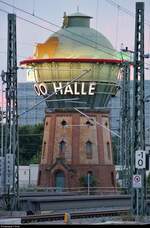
pixel 28 175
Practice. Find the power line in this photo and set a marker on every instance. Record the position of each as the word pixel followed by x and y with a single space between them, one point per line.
pixel 73 80
pixel 44 20
pixel 83 43
pixel 97 123
pixel 85 38
pixel 117 27
pixel 125 10
pixel 4 53
pixel 111 2
pixel 21 43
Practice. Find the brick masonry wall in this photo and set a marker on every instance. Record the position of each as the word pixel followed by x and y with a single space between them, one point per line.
pixel 74 163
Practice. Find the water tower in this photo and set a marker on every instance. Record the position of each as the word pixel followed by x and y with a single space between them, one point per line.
pixel 78 67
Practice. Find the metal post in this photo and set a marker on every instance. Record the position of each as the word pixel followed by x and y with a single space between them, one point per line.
pixel 11 127
pixel 2 125
pixel 137 203
pixel 138 124
pixel 88 183
pixel 125 126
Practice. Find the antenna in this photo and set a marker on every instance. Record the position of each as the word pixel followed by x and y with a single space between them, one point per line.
pixel 33 8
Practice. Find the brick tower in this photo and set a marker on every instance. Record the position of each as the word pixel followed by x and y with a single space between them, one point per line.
pixel 77 148
pixel 73 147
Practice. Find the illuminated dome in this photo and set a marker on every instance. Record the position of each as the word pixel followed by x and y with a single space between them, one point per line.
pixel 66 54
pixel 76 40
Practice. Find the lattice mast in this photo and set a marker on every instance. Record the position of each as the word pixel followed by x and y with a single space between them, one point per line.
pixel 11 136
pixel 138 125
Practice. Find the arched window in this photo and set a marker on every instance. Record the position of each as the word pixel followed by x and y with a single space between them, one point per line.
pixel 89 179
pixel 112 179
pixel 39 177
pixel 62 145
pixel 90 173
pixel 89 149
pixel 44 149
pixel 108 149
pixel 63 123
pixel 88 123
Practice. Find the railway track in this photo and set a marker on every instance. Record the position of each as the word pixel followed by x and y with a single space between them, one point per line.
pixel 74 215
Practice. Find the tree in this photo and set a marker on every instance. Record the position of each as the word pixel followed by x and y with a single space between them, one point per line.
pixel 84 181
pixel 30 144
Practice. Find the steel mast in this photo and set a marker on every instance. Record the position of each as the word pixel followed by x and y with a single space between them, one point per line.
pixel 125 140
pixel 11 154
pixel 138 124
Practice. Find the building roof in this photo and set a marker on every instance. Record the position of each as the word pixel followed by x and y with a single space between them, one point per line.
pixel 78 14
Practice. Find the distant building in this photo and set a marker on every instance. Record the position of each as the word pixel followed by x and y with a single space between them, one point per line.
pixel 114 105
pixel 28 175
pixel 27 99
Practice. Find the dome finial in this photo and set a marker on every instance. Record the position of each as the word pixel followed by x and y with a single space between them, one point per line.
pixel 65 21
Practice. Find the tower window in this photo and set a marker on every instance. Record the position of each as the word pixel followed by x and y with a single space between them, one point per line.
pixel 63 123
pixel 88 123
pixel 108 149
pixel 112 179
pixel 106 124
pixel 62 145
pixel 89 149
pixel 44 148
pixel 90 173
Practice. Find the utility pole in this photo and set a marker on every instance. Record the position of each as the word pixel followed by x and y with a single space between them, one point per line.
pixel 11 155
pixel 138 124
pixel 125 140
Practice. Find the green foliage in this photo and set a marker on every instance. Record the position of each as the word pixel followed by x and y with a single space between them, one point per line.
pixel 81 180
pixel 84 182
pixel 30 144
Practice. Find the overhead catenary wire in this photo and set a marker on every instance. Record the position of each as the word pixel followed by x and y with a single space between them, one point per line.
pixel 47 21
pixel 35 23
pixel 113 3
pixel 54 93
pixel 44 20
pixel 85 38
pixel 57 32
pixel 96 122
pixel 97 9
pixel 123 9
pixel 117 27
pixel 58 26
pixel 21 43
pixel 149 39
pixel 4 53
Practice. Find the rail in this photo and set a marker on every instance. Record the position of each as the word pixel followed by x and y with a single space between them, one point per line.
pixel 74 215
pixel 78 190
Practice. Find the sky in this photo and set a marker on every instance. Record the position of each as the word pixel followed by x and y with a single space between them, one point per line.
pixel 116 22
